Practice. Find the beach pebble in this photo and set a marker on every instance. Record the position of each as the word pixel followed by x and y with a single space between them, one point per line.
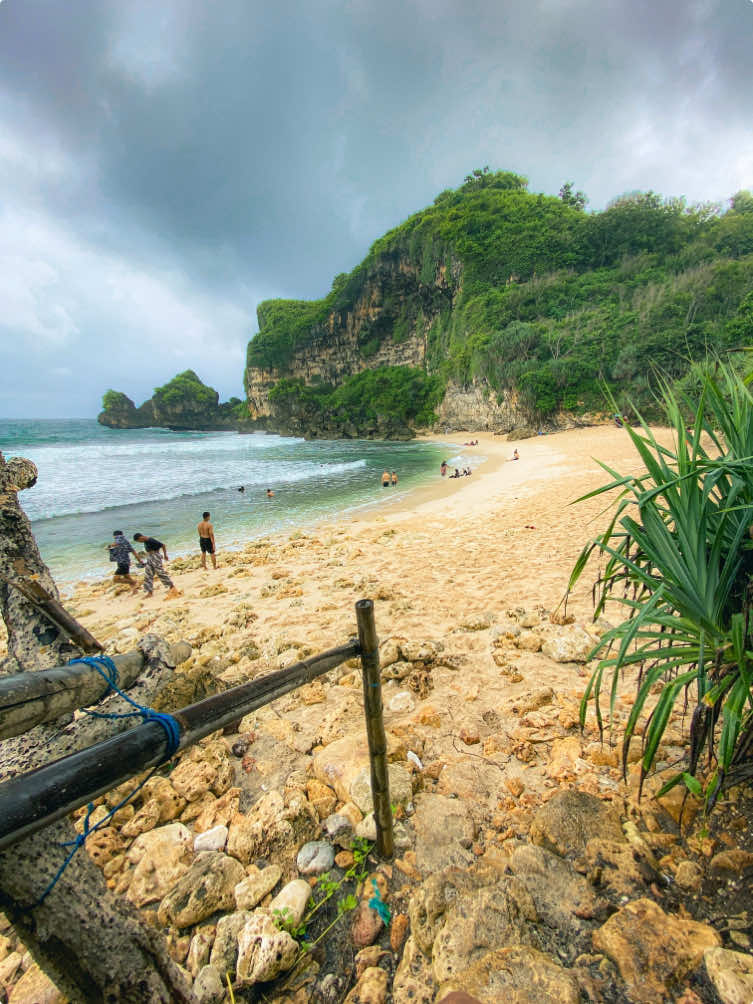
pixel 291 901
pixel 252 889
pixel 212 840
pixel 315 858
pixel 208 987
pixel 402 701
pixel 366 829
pixel 339 829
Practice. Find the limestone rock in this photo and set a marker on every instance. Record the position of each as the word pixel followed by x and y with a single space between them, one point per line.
pixel 562 897
pixel 191 780
pixel 339 829
pixel 162 857
pixel 291 901
pixel 689 876
pixel 264 951
pixel 370 989
pixel 414 980
pixel 397 670
pixel 401 702
pixel 35 987
pixel 731 864
pixel 166 798
pixel 518 974
pixel 496 916
pixel 322 797
pixel 200 949
pixel 208 986
pixel 731 974
pixel 401 788
pixel 315 858
pixel 271 827
pixel 210 840
pixel 251 890
pixel 216 811
pixel 443 828
pixel 653 951
pixel 208 886
pixel 569 644
pixel 142 821
pixel 225 947
pixel 621 867
pixel 566 823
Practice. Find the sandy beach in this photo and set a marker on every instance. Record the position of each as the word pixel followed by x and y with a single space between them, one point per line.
pixel 505 537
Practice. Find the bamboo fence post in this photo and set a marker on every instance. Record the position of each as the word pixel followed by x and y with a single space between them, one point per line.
pixel 372 696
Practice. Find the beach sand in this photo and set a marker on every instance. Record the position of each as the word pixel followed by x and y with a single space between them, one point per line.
pixel 505 537
pixel 456 564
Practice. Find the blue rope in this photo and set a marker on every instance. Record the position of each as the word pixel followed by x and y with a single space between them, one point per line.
pixel 109 671
pixel 377 903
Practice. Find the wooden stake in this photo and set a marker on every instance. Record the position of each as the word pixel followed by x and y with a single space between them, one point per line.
pixel 56 613
pixel 372 697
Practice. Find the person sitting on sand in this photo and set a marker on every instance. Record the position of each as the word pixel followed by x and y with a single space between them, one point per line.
pixel 152 546
pixel 456 474
pixel 385 479
pixel 515 455
pixel 394 479
pixel 206 541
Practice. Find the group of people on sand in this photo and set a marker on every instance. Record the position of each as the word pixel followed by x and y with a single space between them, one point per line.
pixel 473 442
pixel 389 479
pixel 153 555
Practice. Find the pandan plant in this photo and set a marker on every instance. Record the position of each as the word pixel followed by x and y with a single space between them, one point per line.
pixel 678 565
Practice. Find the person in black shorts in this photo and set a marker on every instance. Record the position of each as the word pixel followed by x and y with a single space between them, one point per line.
pixel 152 546
pixel 206 540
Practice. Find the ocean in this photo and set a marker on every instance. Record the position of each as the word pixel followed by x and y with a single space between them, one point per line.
pixel 93 480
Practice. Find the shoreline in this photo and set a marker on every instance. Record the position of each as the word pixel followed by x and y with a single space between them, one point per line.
pixel 503 538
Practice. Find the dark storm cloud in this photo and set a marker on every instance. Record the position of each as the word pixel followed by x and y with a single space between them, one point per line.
pixel 165 166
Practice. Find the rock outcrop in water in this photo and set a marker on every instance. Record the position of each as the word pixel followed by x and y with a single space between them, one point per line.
pixel 183 403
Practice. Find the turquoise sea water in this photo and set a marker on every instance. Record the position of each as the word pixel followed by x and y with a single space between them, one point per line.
pixel 94 480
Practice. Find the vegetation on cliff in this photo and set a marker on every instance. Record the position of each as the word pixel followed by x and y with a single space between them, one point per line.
pixel 545 298
pixel 385 402
pixel 185 402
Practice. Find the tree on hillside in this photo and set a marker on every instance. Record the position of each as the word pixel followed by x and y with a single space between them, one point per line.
pixel 742 202
pixel 577 199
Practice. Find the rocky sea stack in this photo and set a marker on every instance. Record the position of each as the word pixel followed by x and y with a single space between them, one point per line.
pixel 183 403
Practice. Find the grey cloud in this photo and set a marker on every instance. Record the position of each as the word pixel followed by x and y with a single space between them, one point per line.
pixel 236 151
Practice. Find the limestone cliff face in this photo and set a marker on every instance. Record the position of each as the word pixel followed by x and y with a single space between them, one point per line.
pixel 477 409
pixel 388 325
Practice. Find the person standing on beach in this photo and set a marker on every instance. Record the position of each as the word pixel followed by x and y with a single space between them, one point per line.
pixel 152 546
pixel 206 540
pixel 121 550
pixel 385 479
pixel 443 468
pixel 394 479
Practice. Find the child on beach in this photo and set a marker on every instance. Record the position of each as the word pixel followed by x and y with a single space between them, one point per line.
pixel 394 479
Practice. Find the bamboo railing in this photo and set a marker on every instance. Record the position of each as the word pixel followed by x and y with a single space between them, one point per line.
pixel 33 800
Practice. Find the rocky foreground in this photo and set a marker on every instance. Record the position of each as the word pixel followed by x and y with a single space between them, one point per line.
pixel 526 870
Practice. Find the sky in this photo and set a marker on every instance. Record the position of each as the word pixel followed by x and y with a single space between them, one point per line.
pixel 166 166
